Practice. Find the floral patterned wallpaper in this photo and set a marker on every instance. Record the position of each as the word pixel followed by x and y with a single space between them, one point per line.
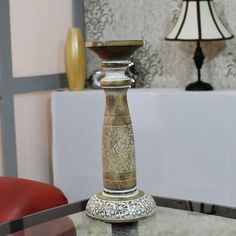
pixel 162 63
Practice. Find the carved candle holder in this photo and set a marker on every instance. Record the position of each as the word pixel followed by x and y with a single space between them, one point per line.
pixel 120 200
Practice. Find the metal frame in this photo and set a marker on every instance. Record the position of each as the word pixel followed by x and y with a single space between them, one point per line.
pixel 10 86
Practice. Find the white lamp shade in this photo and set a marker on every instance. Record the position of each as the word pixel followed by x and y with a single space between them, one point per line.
pixel 198 21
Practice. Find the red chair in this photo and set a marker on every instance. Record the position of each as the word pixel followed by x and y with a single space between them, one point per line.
pixel 20 197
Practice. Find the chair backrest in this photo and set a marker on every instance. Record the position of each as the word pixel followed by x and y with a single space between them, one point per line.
pixel 20 197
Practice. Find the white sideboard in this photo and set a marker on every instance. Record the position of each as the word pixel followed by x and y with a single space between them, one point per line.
pixel 185 143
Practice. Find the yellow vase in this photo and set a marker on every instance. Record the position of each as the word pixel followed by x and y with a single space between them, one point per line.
pixel 75 60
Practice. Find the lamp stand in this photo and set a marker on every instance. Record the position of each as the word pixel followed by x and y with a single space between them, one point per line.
pixel 199 59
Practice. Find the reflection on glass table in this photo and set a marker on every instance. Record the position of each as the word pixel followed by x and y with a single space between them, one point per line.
pixel 172 218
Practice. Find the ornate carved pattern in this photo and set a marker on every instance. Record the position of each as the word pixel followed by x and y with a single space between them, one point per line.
pixel 122 211
pixel 176 12
pixel 231 69
pixel 148 65
pixel 118 148
pixel 97 15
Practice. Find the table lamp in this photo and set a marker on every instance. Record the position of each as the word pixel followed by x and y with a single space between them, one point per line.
pixel 198 21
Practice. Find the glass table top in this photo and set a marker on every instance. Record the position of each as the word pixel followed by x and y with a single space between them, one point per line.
pixel 172 218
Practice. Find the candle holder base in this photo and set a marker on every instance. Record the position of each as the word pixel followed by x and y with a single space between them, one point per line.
pixel 121 208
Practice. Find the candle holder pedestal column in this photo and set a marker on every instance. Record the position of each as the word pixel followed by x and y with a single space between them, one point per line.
pixel 120 200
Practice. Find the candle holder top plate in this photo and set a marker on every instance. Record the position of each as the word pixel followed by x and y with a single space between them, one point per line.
pixel 115 50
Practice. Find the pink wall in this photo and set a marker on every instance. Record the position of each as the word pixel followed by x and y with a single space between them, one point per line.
pixel 38 32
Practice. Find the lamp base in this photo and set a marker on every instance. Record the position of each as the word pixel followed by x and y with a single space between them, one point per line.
pixel 121 209
pixel 199 86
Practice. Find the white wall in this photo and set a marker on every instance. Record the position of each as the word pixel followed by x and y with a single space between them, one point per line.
pixel 185 143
